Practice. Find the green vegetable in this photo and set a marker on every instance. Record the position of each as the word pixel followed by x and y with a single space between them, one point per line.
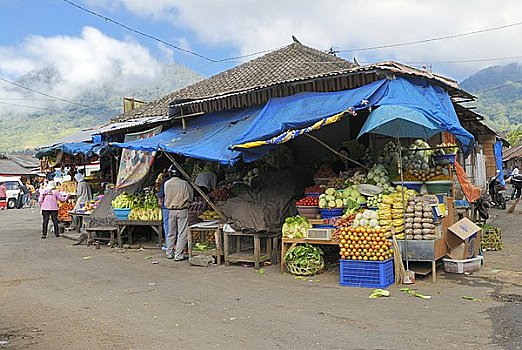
pixel 413 293
pixel 377 293
pixel 304 255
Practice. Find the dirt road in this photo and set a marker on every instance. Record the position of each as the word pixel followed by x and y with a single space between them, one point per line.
pixel 57 296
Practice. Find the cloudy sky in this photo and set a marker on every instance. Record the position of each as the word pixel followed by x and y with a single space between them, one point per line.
pixel 86 49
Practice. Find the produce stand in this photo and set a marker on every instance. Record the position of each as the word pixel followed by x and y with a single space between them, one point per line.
pixel 238 255
pixel 202 231
pixel 430 250
pixel 130 225
pixel 289 243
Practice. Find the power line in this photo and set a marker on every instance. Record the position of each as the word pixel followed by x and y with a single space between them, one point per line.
pixel 139 32
pixel 211 60
pixel 47 95
pixel 32 107
pixel 434 39
pixel 42 99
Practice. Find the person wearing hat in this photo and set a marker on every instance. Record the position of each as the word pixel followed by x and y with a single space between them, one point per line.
pixel 49 204
pixel 178 196
pixel 83 195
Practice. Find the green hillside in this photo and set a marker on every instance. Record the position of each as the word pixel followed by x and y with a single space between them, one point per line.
pixel 23 132
pixel 499 98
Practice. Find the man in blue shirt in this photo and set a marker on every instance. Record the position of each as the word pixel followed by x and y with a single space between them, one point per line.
pixel 164 210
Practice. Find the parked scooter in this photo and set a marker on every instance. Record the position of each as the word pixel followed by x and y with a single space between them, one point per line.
pixel 497 192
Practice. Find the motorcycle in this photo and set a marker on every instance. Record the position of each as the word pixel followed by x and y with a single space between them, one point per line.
pixel 497 193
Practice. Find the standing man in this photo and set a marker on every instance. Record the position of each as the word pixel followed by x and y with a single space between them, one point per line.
pixel 178 196
pixel 162 178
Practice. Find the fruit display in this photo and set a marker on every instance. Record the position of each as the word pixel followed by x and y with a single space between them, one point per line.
pixel 150 214
pixel 368 219
pixel 123 201
pixel 220 194
pixel 209 215
pixel 389 157
pixel 144 206
pixel 331 199
pixel 374 201
pixel 491 238
pixel 391 211
pixel 449 148
pixel 308 202
pixel 344 221
pixel 63 210
pixel 296 227
pixel 378 176
pixel 351 194
pixel 67 187
pixel 314 190
pixel 361 243
pixel 418 219
pixel 304 260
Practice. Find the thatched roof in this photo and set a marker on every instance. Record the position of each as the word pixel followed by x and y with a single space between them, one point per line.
pixel 292 69
pixel 293 62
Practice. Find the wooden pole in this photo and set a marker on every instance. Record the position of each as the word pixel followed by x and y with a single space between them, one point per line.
pixel 196 187
pixel 334 151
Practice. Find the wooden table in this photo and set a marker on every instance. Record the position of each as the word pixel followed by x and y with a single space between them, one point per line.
pixel 82 219
pixel 130 225
pixel 202 229
pixel 292 242
pixel 271 247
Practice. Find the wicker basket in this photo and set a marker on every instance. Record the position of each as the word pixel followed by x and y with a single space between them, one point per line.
pixel 298 270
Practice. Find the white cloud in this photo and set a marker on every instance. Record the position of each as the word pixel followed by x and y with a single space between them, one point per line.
pixel 252 25
pixel 92 59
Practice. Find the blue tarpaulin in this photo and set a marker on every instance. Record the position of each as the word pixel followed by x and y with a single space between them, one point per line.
pixel 432 101
pixel 498 162
pixel 207 137
pixel 211 136
pixel 399 122
pixel 75 148
pixel 301 110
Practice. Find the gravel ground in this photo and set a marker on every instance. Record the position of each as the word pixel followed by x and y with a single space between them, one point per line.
pixel 57 296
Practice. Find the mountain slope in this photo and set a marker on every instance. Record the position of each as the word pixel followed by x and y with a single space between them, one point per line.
pixel 499 96
pixel 56 120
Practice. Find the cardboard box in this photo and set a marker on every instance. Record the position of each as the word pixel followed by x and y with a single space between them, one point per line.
pixel 463 240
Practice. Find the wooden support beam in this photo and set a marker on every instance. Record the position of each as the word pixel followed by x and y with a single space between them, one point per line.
pixel 196 187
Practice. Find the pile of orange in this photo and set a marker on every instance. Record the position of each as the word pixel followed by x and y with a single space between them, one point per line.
pixel 364 243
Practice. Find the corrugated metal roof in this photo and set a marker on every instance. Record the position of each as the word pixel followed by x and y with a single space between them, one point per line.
pixel 24 160
pixel 512 153
pixel 128 124
pixel 8 167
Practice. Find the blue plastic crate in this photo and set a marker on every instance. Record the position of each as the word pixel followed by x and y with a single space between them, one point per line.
pixel 366 274
pixel 330 213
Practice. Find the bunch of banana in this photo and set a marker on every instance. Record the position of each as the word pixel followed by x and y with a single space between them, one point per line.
pixel 209 215
pixel 123 201
pixel 146 214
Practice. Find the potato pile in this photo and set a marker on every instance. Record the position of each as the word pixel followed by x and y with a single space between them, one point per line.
pixel 418 221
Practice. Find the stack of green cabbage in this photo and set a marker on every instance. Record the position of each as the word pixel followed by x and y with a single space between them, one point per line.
pixel 331 199
pixel 296 227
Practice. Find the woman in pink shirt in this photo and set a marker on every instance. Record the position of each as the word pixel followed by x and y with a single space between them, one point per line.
pixel 48 201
